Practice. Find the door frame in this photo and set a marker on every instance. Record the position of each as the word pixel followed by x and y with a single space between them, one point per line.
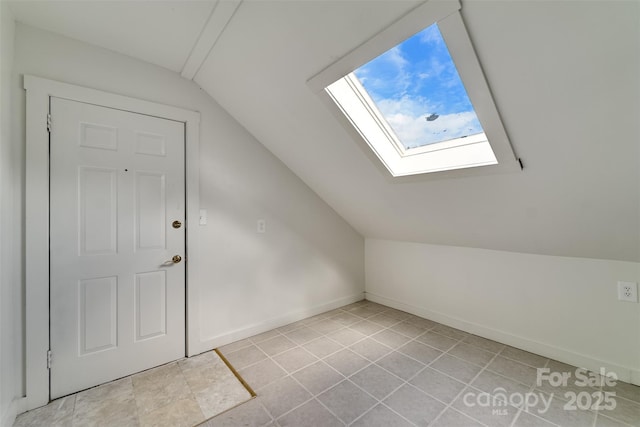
pixel 38 93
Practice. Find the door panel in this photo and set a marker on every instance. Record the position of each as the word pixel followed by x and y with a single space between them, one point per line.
pixel 151 301
pixel 117 184
pixel 97 136
pixel 150 203
pixel 98 210
pixel 98 326
pixel 147 143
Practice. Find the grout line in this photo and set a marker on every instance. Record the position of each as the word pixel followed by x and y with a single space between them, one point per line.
pixel 313 396
pixel 290 374
pixel 521 409
pixel 380 402
pixel 466 385
pixel 404 382
pixel 623 423
pixel 486 368
pixel 597 412
pixel 344 378
pixel 398 318
pixel 427 365
pixel 223 412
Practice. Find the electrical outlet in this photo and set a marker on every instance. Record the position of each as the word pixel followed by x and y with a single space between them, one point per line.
pixel 628 291
pixel 261 226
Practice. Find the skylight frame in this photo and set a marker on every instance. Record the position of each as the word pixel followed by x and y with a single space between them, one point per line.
pixel 367 102
pixel 371 106
pixel 363 115
pixel 428 158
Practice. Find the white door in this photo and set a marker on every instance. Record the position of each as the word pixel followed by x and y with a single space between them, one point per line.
pixel 117 297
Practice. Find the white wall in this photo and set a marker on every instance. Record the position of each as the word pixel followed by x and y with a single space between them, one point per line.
pixel 308 260
pixel 11 367
pixel 560 307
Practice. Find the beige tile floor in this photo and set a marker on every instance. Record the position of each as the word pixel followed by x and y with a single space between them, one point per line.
pixel 362 365
pixel 368 365
pixel 182 393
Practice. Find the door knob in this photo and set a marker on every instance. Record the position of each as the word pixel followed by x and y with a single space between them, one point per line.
pixel 176 259
pixel 176 224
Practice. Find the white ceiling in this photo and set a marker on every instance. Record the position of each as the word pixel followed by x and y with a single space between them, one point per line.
pixel 564 76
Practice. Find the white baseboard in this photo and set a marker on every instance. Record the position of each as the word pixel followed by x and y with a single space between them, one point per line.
pixel 16 407
pixel 624 373
pixel 276 322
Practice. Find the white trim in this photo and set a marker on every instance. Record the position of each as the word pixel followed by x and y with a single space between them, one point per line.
pixel 624 373
pixel 413 21
pixel 39 91
pixel 220 17
pixel 354 101
pixel 464 56
pixel 276 322
pixel 16 407
pixel 354 89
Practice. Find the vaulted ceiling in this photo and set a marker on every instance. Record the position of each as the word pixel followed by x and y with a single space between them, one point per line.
pixel 564 76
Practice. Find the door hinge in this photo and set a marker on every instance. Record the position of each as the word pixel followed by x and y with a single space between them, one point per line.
pixel 49 358
pixel 49 123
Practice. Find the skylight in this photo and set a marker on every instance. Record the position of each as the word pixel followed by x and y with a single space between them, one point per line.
pixel 417 89
pixel 409 103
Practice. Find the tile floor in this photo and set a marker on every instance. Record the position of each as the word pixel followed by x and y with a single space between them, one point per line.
pixel 368 365
pixel 182 393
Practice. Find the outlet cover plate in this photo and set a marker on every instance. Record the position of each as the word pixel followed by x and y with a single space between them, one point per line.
pixel 628 291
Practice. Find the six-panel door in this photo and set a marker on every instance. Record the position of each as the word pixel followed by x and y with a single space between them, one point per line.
pixel 117 299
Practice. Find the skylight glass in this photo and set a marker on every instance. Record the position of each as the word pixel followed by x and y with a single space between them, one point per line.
pixel 416 88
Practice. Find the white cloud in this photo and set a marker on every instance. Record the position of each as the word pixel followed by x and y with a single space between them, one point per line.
pixel 387 73
pixel 407 117
pixel 394 56
pixel 436 67
pixel 431 35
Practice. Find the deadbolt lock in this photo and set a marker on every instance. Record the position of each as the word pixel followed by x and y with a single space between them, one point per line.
pixel 176 224
pixel 176 259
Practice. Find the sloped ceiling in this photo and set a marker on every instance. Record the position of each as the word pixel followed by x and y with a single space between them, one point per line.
pixel 159 32
pixel 564 76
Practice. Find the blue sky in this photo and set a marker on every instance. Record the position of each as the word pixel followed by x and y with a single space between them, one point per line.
pixel 415 79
